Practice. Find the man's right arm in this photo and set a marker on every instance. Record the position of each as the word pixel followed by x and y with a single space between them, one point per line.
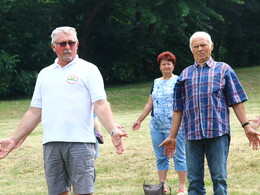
pixel 176 123
pixel 28 123
pixel 170 141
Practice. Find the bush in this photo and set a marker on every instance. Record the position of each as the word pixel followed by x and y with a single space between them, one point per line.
pixel 25 82
pixel 8 72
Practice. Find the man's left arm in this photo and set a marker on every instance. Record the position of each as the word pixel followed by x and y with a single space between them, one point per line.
pixel 252 135
pixel 103 110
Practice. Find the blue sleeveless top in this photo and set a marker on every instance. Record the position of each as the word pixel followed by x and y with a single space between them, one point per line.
pixel 162 95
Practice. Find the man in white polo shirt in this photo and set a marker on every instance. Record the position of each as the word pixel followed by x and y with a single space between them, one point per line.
pixel 66 95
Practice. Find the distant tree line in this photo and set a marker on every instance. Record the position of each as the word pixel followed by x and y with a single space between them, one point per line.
pixel 122 37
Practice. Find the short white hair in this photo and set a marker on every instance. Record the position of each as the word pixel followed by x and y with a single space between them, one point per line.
pixel 201 34
pixel 64 29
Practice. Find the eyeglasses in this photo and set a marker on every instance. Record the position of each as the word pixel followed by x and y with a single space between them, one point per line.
pixel 64 44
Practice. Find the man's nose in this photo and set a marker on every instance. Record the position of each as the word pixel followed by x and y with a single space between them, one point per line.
pixel 200 47
pixel 67 46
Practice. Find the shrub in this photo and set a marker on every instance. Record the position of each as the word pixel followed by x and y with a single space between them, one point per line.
pixel 8 72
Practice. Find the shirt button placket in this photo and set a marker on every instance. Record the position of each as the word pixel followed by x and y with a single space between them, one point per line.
pixel 200 101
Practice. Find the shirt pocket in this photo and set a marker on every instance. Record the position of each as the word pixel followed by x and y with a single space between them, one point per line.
pixel 191 89
pixel 217 85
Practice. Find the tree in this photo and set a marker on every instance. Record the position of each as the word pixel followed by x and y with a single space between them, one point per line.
pixel 236 35
pixel 24 36
pixel 123 38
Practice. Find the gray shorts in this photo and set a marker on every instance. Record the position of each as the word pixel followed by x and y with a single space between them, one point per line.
pixel 69 164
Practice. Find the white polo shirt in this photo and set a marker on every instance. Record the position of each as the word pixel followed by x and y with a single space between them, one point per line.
pixel 66 96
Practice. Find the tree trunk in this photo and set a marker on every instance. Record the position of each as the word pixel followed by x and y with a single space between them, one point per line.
pixel 91 15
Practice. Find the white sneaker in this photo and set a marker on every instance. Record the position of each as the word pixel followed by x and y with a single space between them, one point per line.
pixel 182 193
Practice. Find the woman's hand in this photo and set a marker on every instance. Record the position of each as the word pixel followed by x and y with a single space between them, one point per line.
pixel 136 126
pixel 255 123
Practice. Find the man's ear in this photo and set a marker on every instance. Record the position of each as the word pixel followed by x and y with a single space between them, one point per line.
pixel 212 46
pixel 53 47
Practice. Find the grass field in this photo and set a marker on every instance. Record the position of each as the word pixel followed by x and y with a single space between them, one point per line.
pixel 22 170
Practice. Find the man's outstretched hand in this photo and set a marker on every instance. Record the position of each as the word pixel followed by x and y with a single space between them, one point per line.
pixel 6 146
pixel 170 147
pixel 117 140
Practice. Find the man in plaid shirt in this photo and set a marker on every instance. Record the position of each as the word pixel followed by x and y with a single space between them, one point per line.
pixel 203 94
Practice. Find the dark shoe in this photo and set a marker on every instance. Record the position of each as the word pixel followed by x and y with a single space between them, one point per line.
pixel 100 138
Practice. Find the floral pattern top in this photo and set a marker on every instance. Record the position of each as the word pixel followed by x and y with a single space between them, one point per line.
pixel 162 95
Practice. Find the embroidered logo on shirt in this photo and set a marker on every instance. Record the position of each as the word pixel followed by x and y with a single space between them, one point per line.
pixel 72 79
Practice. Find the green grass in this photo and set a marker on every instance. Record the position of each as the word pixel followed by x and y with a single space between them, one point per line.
pixel 22 171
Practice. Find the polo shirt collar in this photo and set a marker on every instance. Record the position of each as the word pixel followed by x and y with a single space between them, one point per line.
pixel 56 65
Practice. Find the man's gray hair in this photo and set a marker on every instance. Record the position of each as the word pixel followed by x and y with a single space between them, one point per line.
pixel 64 29
pixel 201 34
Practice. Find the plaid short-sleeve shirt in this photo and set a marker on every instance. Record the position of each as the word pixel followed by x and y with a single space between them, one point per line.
pixel 204 94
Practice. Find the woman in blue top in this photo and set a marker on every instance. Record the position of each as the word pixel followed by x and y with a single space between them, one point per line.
pixel 160 104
